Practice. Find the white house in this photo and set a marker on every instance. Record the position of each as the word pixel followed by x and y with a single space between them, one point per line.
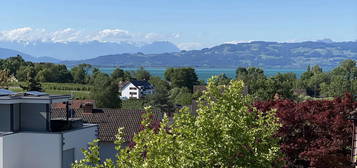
pixel 135 89
pixel 30 137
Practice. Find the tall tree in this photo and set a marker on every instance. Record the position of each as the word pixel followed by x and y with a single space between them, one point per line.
pixel 227 132
pixel 118 74
pixel 142 74
pixel 160 98
pixel 182 77
pixel 31 83
pixel 80 73
pixel 5 79
pixel 105 92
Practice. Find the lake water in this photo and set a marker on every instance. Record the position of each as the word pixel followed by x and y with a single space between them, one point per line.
pixel 205 73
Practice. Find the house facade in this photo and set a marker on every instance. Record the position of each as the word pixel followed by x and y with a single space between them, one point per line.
pixel 135 89
pixel 30 137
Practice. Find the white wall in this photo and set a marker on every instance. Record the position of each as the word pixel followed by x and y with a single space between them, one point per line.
pixel 32 150
pixel 125 93
pixel 78 139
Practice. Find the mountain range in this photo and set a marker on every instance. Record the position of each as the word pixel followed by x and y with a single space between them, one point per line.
pixel 325 53
pixel 258 53
pixel 6 53
pixel 85 50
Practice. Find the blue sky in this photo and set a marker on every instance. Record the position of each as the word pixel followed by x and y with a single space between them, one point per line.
pixel 187 23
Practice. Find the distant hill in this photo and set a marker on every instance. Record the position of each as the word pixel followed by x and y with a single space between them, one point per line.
pixel 86 50
pixel 6 53
pixel 258 53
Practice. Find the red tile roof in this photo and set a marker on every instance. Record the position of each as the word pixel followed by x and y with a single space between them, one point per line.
pixel 110 120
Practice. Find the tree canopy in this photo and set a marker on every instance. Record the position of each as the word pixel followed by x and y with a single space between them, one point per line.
pixel 181 77
pixel 105 92
pixel 227 132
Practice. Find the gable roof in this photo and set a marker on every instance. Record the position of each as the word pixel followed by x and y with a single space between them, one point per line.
pixel 110 120
pixel 141 83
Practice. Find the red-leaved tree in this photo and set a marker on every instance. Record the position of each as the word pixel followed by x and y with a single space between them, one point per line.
pixel 314 133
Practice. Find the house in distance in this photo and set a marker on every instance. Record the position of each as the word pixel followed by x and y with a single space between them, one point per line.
pixel 135 89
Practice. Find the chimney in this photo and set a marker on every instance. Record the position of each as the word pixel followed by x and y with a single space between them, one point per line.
pixel 88 108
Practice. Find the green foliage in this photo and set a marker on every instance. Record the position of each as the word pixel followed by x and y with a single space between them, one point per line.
pixel 118 74
pixel 66 86
pixel 80 73
pixel 181 96
pixel 282 85
pixel 105 92
pixel 31 83
pixel 221 79
pixel 160 99
pixel 340 80
pixel 133 104
pixel 263 88
pixel 5 79
pixel 181 77
pixel 12 64
pixel 45 73
pixel 228 132
pixel 142 74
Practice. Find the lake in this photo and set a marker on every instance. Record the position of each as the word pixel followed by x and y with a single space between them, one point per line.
pixel 205 73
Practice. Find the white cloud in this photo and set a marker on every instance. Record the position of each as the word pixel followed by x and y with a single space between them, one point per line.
pixel 112 35
pixel 161 37
pixel 28 34
pixel 237 41
pixel 65 35
pixel 21 34
pixel 190 46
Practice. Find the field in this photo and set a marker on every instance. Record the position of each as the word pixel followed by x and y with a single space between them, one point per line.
pixel 78 91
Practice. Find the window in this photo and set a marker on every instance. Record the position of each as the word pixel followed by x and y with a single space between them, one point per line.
pixel 132 93
pixel 132 88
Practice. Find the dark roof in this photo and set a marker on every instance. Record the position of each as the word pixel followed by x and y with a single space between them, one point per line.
pixel 109 120
pixel 75 104
pixel 143 83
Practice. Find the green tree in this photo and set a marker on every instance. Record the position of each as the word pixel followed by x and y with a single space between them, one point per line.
pixel 80 73
pixel 181 96
pixel 118 74
pixel 255 82
pixel 312 79
pixel 5 79
pixel 160 99
pixel 12 64
pixel 341 80
pixel 228 132
pixel 142 74
pixel 105 92
pixel 181 77
pixel 222 79
pixel 282 84
pixel 31 83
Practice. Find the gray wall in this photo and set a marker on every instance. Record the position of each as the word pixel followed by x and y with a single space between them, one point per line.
pixel 16 111
pixel 107 150
pixel 5 117
pixel 33 117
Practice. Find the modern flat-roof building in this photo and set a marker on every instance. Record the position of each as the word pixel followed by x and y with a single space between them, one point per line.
pixel 29 137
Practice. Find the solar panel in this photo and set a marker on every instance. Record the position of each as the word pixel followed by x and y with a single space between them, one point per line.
pixel 4 92
pixel 36 93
